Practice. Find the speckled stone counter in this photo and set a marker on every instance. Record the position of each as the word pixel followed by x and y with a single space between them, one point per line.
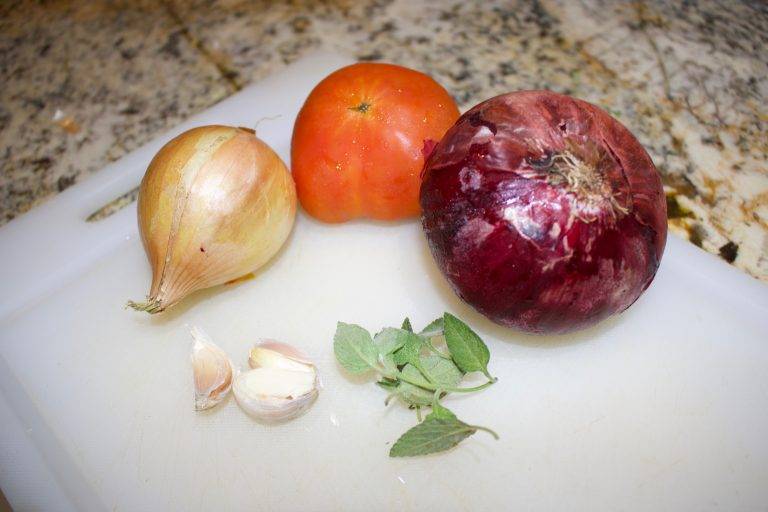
pixel 84 83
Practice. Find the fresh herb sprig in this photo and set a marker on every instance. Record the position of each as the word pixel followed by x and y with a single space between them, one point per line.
pixel 414 370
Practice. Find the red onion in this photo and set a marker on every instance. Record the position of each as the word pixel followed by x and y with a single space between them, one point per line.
pixel 543 212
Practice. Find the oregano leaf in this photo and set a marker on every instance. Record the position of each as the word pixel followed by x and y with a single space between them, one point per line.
pixel 389 385
pixel 354 348
pixel 409 352
pixel 413 396
pixel 415 372
pixel 388 362
pixel 390 340
pixel 438 411
pixel 437 433
pixel 435 328
pixel 414 376
pixel 466 348
pixel 441 372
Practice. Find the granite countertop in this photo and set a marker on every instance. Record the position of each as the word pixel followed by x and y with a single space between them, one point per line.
pixel 85 83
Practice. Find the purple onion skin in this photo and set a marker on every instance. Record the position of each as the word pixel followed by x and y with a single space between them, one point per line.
pixel 543 212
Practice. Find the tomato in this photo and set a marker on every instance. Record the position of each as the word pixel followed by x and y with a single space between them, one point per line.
pixel 357 142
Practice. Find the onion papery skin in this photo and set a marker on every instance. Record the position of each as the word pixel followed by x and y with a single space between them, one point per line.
pixel 543 212
pixel 215 203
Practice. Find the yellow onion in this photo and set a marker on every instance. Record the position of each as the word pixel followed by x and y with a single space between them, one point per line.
pixel 215 204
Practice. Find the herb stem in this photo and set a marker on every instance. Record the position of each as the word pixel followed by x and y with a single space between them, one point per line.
pixel 434 349
pixel 430 387
pixel 436 398
pixel 422 385
pixel 471 390
pixel 485 429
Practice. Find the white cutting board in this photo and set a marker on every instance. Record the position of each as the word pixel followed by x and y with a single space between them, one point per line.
pixel 662 408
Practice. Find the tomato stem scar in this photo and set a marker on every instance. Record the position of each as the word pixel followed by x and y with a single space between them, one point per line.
pixel 362 107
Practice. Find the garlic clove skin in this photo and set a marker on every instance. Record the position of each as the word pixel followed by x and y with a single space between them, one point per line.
pixel 273 354
pixel 211 371
pixel 273 394
pixel 277 410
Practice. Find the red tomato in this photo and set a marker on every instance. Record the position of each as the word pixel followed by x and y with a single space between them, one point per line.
pixel 356 148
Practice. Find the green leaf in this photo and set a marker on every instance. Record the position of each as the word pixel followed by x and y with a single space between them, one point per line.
pixel 437 351
pixel 467 349
pixel 409 352
pixel 389 385
pixel 414 376
pixel 443 373
pixel 435 328
pixel 390 340
pixel 388 362
pixel 415 372
pixel 440 412
pixel 413 396
pixel 437 433
pixel 354 348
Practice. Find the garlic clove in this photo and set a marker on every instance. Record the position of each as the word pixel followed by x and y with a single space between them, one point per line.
pixel 211 371
pixel 276 410
pixel 276 394
pixel 273 354
pixel 277 382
